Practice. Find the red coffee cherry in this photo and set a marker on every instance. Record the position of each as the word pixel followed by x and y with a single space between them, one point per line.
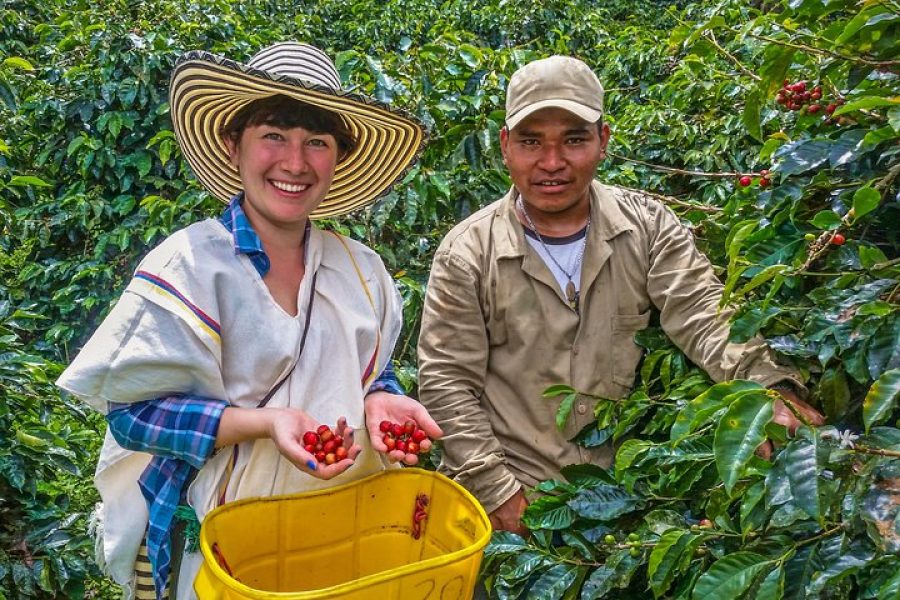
pixel 310 438
pixel 745 180
pixel 838 239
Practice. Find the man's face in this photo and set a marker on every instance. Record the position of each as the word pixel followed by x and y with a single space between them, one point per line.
pixel 552 157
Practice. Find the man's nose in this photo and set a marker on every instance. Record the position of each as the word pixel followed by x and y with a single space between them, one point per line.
pixel 551 158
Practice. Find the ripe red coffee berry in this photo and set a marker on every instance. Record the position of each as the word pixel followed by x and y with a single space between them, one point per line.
pixel 830 108
pixel 764 182
pixel 340 453
pixel 396 430
pixel 329 446
pixel 838 239
pixel 409 427
pixel 384 426
pixel 310 448
pixel 412 447
pixel 401 445
pixel 320 456
pixel 310 438
pixel 813 109
pixel 745 180
pixel 389 441
pixel 419 435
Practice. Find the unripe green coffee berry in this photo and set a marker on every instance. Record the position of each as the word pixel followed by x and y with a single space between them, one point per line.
pixel 635 552
pixel 633 537
pixel 609 539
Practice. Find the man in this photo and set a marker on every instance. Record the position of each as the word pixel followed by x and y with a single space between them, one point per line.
pixel 549 285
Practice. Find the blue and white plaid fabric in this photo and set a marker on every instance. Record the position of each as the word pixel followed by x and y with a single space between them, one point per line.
pixel 180 431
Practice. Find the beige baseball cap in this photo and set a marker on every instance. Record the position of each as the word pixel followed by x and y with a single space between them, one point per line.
pixel 558 81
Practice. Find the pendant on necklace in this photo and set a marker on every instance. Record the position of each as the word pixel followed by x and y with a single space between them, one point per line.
pixel 571 294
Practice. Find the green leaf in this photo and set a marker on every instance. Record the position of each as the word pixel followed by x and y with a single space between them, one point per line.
pixel 28 180
pixel 826 219
pixel 750 116
pixel 604 502
pixel 802 468
pixel 504 542
pixel 740 432
pixel 834 393
pixel 891 587
pixel 554 582
pixel 772 587
pixel 17 62
pixel 628 452
pixel 881 399
pixel 548 512
pixel 665 559
pixel 557 390
pixel 564 410
pixel 803 156
pixel 598 584
pixel 709 402
pixel 836 570
pixel 731 576
pixel 866 103
pixel 865 200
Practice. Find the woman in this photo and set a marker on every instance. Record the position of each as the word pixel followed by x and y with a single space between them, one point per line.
pixel 241 333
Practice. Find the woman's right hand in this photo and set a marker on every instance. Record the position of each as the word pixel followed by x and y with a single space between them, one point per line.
pixel 285 427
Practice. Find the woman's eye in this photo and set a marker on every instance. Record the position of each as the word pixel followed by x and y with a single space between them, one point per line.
pixel 272 135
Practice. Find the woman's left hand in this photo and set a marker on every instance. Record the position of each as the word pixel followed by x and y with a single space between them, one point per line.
pixel 384 406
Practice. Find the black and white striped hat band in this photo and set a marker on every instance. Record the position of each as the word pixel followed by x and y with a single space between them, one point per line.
pixel 207 90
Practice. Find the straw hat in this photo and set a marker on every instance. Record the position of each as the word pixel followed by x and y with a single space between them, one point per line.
pixel 207 90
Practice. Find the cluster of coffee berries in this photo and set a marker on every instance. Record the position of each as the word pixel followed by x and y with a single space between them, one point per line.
pixel 633 542
pixel 325 445
pixel 795 96
pixel 764 181
pixel 837 239
pixel 419 515
pixel 406 438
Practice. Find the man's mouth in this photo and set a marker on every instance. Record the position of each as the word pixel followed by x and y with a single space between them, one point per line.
pixel 292 188
pixel 551 183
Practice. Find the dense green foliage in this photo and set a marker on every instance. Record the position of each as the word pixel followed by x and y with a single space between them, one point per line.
pixel 91 177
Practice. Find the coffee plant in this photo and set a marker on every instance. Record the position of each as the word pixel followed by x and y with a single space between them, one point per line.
pixel 771 128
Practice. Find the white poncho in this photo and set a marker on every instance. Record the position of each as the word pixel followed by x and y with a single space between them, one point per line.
pixel 198 319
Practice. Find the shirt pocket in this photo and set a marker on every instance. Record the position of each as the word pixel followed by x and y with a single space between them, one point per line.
pixel 626 354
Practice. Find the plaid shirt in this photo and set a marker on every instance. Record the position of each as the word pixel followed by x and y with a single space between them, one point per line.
pixel 180 431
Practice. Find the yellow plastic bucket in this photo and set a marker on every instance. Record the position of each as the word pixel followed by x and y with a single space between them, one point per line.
pixel 353 542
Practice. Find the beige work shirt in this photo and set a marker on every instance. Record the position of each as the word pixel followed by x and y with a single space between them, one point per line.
pixel 497 331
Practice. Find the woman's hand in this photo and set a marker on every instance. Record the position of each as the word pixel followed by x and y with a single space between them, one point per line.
pixel 384 406
pixel 285 427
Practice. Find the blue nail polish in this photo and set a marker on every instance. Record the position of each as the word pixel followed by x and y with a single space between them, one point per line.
pixel 311 464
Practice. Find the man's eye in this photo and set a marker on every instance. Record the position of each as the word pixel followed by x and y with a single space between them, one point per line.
pixel 576 140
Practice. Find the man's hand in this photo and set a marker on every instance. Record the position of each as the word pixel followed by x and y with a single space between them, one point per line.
pixel 384 406
pixel 783 415
pixel 509 516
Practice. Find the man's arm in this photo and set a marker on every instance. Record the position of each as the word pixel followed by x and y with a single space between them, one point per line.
pixel 453 358
pixel 683 286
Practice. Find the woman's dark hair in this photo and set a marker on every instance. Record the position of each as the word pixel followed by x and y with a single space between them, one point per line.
pixel 287 113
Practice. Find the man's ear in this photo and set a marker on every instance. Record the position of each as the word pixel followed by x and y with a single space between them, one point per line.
pixel 504 140
pixel 604 139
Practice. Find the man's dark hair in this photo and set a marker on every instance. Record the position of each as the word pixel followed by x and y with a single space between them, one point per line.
pixel 286 112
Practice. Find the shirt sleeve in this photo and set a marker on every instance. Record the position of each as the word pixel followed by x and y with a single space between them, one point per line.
pixel 453 359
pixel 683 286
pixel 387 382
pixel 180 427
